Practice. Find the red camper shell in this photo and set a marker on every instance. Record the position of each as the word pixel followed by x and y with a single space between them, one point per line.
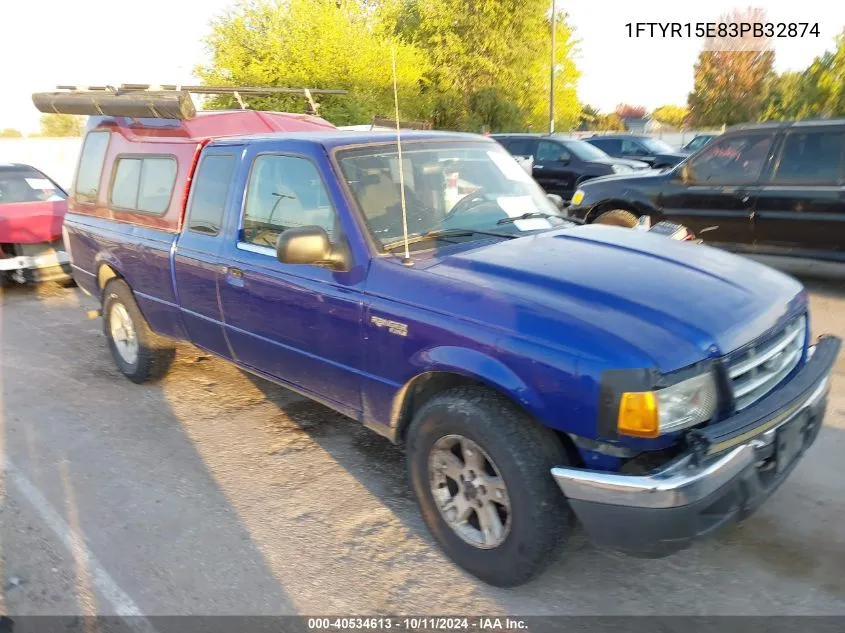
pixel 109 181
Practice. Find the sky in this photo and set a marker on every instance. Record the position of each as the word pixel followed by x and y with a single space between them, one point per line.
pixel 49 42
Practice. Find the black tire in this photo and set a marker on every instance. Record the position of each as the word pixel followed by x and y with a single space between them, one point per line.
pixel 617 217
pixel 523 452
pixel 154 353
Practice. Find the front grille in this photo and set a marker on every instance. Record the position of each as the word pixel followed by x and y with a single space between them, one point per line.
pixel 760 367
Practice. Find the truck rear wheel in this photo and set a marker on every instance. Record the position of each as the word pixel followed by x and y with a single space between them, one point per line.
pixel 480 469
pixel 139 353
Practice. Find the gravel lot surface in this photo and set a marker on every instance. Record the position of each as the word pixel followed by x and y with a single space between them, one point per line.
pixel 217 493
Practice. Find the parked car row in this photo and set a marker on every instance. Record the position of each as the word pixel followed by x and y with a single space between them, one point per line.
pixel 536 370
pixel 775 189
pixel 561 164
pixel 770 189
pixel 652 151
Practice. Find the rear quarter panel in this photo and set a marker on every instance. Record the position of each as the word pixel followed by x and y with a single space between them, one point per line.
pixel 141 255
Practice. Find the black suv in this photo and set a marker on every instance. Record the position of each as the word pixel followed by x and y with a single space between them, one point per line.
pixel 642 148
pixel 767 188
pixel 561 164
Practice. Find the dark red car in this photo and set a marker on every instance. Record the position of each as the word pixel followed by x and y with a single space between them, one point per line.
pixel 32 210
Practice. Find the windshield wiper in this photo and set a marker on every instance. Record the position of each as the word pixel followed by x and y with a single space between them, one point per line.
pixel 539 214
pixel 440 233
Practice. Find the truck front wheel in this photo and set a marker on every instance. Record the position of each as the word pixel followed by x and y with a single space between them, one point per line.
pixel 139 353
pixel 480 469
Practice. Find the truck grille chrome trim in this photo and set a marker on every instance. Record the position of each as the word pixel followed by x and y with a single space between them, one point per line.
pixel 761 367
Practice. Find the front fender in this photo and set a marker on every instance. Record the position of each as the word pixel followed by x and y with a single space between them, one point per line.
pixel 471 364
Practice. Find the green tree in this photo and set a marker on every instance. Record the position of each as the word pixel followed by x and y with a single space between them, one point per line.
pixel 491 110
pixel 589 117
pixel 824 88
pixel 55 125
pixel 610 123
pixel 482 48
pixel 10 133
pixel 315 44
pixel 731 76
pixel 786 98
pixel 673 115
pixel 816 92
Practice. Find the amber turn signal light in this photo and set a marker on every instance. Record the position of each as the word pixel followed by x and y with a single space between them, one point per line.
pixel 638 415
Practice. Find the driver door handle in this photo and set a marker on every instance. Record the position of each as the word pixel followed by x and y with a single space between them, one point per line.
pixel 235 276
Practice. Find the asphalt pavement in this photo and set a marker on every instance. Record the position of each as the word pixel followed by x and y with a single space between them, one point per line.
pixel 215 493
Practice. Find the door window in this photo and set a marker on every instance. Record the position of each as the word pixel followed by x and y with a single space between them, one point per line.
pixel 210 190
pixel 738 160
pixel 633 148
pixel 522 147
pixel 811 158
pixel 612 146
pixel 547 151
pixel 284 192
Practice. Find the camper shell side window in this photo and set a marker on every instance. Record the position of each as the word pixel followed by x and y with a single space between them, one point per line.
pixel 143 182
pixel 89 171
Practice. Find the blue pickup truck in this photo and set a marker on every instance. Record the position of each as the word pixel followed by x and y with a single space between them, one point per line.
pixel 537 371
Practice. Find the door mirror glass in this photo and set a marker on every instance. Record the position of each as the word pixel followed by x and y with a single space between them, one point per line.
pixel 309 245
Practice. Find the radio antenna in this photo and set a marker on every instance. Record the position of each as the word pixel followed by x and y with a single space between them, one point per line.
pixel 407 261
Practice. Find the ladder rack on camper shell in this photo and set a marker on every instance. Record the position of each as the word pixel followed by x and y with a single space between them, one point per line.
pixel 166 101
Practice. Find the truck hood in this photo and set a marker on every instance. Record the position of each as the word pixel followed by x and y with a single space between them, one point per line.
pixel 31 222
pixel 675 302
pixel 635 177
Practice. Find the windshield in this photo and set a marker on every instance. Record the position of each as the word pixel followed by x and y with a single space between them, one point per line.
pixel 585 151
pixel 657 146
pixel 448 186
pixel 698 142
pixel 27 185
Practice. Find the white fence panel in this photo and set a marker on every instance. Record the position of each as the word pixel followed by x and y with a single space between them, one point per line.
pixel 56 157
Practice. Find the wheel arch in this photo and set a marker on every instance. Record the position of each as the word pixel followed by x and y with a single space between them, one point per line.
pixel 625 204
pixel 108 267
pixel 464 367
pixel 105 273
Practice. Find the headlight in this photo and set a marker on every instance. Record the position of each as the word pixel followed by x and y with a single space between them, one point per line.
pixel 621 169
pixel 578 197
pixel 652 413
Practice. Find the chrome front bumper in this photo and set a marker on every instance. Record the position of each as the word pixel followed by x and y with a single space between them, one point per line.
pixel 744 460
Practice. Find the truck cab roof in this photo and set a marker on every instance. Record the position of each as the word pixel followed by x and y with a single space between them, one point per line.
pixel 338 138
